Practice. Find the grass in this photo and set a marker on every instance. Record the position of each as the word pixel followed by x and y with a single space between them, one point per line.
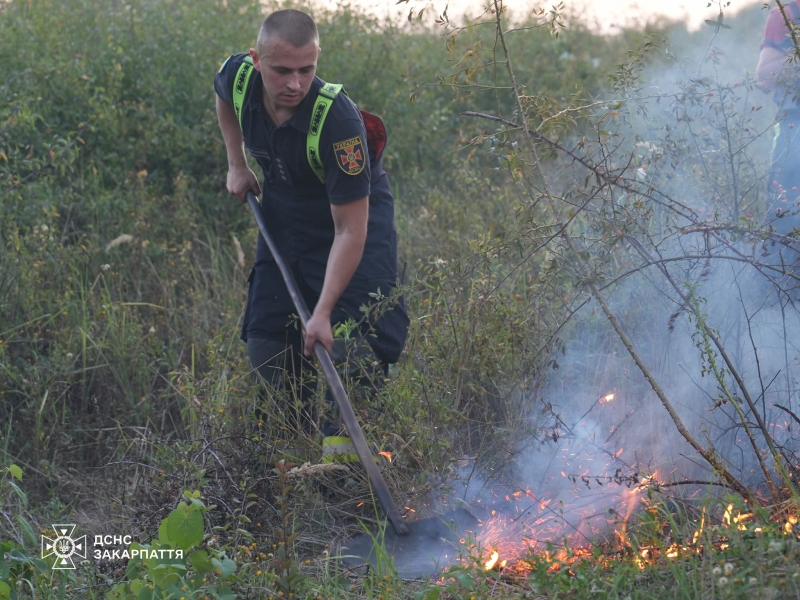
pixel 125 392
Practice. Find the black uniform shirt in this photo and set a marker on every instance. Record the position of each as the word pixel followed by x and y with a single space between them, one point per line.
pixel 292 191
pixel 296 204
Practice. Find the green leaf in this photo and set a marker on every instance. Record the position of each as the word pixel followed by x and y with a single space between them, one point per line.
pixel 15 471
pixel 465 579
pixel 184 527
pixel 164 574
pixel 5 570
pixel 163 534
pixel 147 594
pixel 226 566
pixel 225 593
pixel 200 561
pixel 5 591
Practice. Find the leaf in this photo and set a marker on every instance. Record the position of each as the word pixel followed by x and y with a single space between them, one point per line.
pixel 226 566
pixel 184 527
pixel 148 594
pixel 14 469
pixel 201 562
pixel 225 593
pixel 5 591
pixel 163 535
pixel 465 579
pixel 711 23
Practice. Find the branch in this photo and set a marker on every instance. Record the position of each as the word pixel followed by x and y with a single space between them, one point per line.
pixel 708 456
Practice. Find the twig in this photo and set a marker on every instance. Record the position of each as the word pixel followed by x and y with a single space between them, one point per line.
pixel 783 408
pixel 710 457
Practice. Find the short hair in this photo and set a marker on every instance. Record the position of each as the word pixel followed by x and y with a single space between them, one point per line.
pixel 292 26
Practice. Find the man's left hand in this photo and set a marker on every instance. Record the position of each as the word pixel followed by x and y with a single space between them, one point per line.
pixel 318 330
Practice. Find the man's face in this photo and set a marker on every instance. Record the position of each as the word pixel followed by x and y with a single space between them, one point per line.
pixel 286 71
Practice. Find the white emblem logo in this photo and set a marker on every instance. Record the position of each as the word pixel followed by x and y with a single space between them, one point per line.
pixel 64 546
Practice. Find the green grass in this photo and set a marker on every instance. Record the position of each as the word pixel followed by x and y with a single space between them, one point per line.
pixel 124 388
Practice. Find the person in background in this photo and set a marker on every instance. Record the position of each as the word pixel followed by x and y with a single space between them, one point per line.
pixel 776 72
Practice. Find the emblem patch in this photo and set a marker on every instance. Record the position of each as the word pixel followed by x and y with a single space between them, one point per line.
pixel 350 155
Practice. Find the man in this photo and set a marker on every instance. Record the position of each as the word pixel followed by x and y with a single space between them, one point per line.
pixel 333 225
pixel 776 74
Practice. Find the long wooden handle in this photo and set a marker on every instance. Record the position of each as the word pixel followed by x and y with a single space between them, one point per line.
pixel 334 381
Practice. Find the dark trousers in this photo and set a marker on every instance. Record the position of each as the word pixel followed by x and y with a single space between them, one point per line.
pixel 279 363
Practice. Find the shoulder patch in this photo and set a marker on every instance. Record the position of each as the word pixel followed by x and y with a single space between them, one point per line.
pixel 350 155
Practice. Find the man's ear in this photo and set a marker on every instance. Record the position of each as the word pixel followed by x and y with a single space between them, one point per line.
pixel 254 56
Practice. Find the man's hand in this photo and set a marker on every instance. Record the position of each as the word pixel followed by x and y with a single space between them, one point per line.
pixel 242 180
pixel 350 225
pixel 318 330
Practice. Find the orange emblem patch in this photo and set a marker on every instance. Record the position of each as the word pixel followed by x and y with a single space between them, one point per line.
pixel 350 155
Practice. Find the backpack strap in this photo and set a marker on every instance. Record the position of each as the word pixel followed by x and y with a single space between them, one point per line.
pixel 327 94
pixel 240 85
pixel 376 133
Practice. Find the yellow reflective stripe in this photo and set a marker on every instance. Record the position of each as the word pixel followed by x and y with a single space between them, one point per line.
pixel 338 449
pixel 327 94
pixel 240 86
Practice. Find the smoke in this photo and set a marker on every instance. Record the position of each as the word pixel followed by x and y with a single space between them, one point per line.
pixel 715 324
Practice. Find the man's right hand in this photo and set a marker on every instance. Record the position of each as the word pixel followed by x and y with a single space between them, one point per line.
pixel 241 180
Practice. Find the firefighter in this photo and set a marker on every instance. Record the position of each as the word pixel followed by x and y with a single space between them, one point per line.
pixel 776 74
pixel 326 201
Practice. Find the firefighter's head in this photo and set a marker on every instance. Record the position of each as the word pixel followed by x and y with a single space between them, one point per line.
pixel 286 56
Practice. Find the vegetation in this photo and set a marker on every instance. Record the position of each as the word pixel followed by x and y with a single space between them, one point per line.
pixel 566 203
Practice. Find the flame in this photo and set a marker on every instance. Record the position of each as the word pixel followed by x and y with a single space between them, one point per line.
pixel 791 521
pixel 699 531
pixel 607 398
pixel 489 564
pixel 386 455
pixel 726 517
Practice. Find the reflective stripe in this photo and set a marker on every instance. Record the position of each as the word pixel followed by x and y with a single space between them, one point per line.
pixel 338 449
pixel 327 94
pixel 325 97
pixel 777 133
pixel 240 86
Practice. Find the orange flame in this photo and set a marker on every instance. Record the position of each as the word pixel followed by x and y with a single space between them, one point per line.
pixel 386 455
pixel 489 564
pixel 607 398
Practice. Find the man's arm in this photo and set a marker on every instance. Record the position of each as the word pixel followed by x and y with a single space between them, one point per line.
pixel 240 178
pixel 771 63
pixel 350 225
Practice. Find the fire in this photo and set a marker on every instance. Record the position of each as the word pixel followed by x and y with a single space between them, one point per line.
pixel 791 521
pixel 699 531
pixel 607 398
pixel 738 519
pixel 492 562
pixel 386 455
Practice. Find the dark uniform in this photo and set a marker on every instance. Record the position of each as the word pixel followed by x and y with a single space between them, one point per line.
pixel 297 210
pixel 783 208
